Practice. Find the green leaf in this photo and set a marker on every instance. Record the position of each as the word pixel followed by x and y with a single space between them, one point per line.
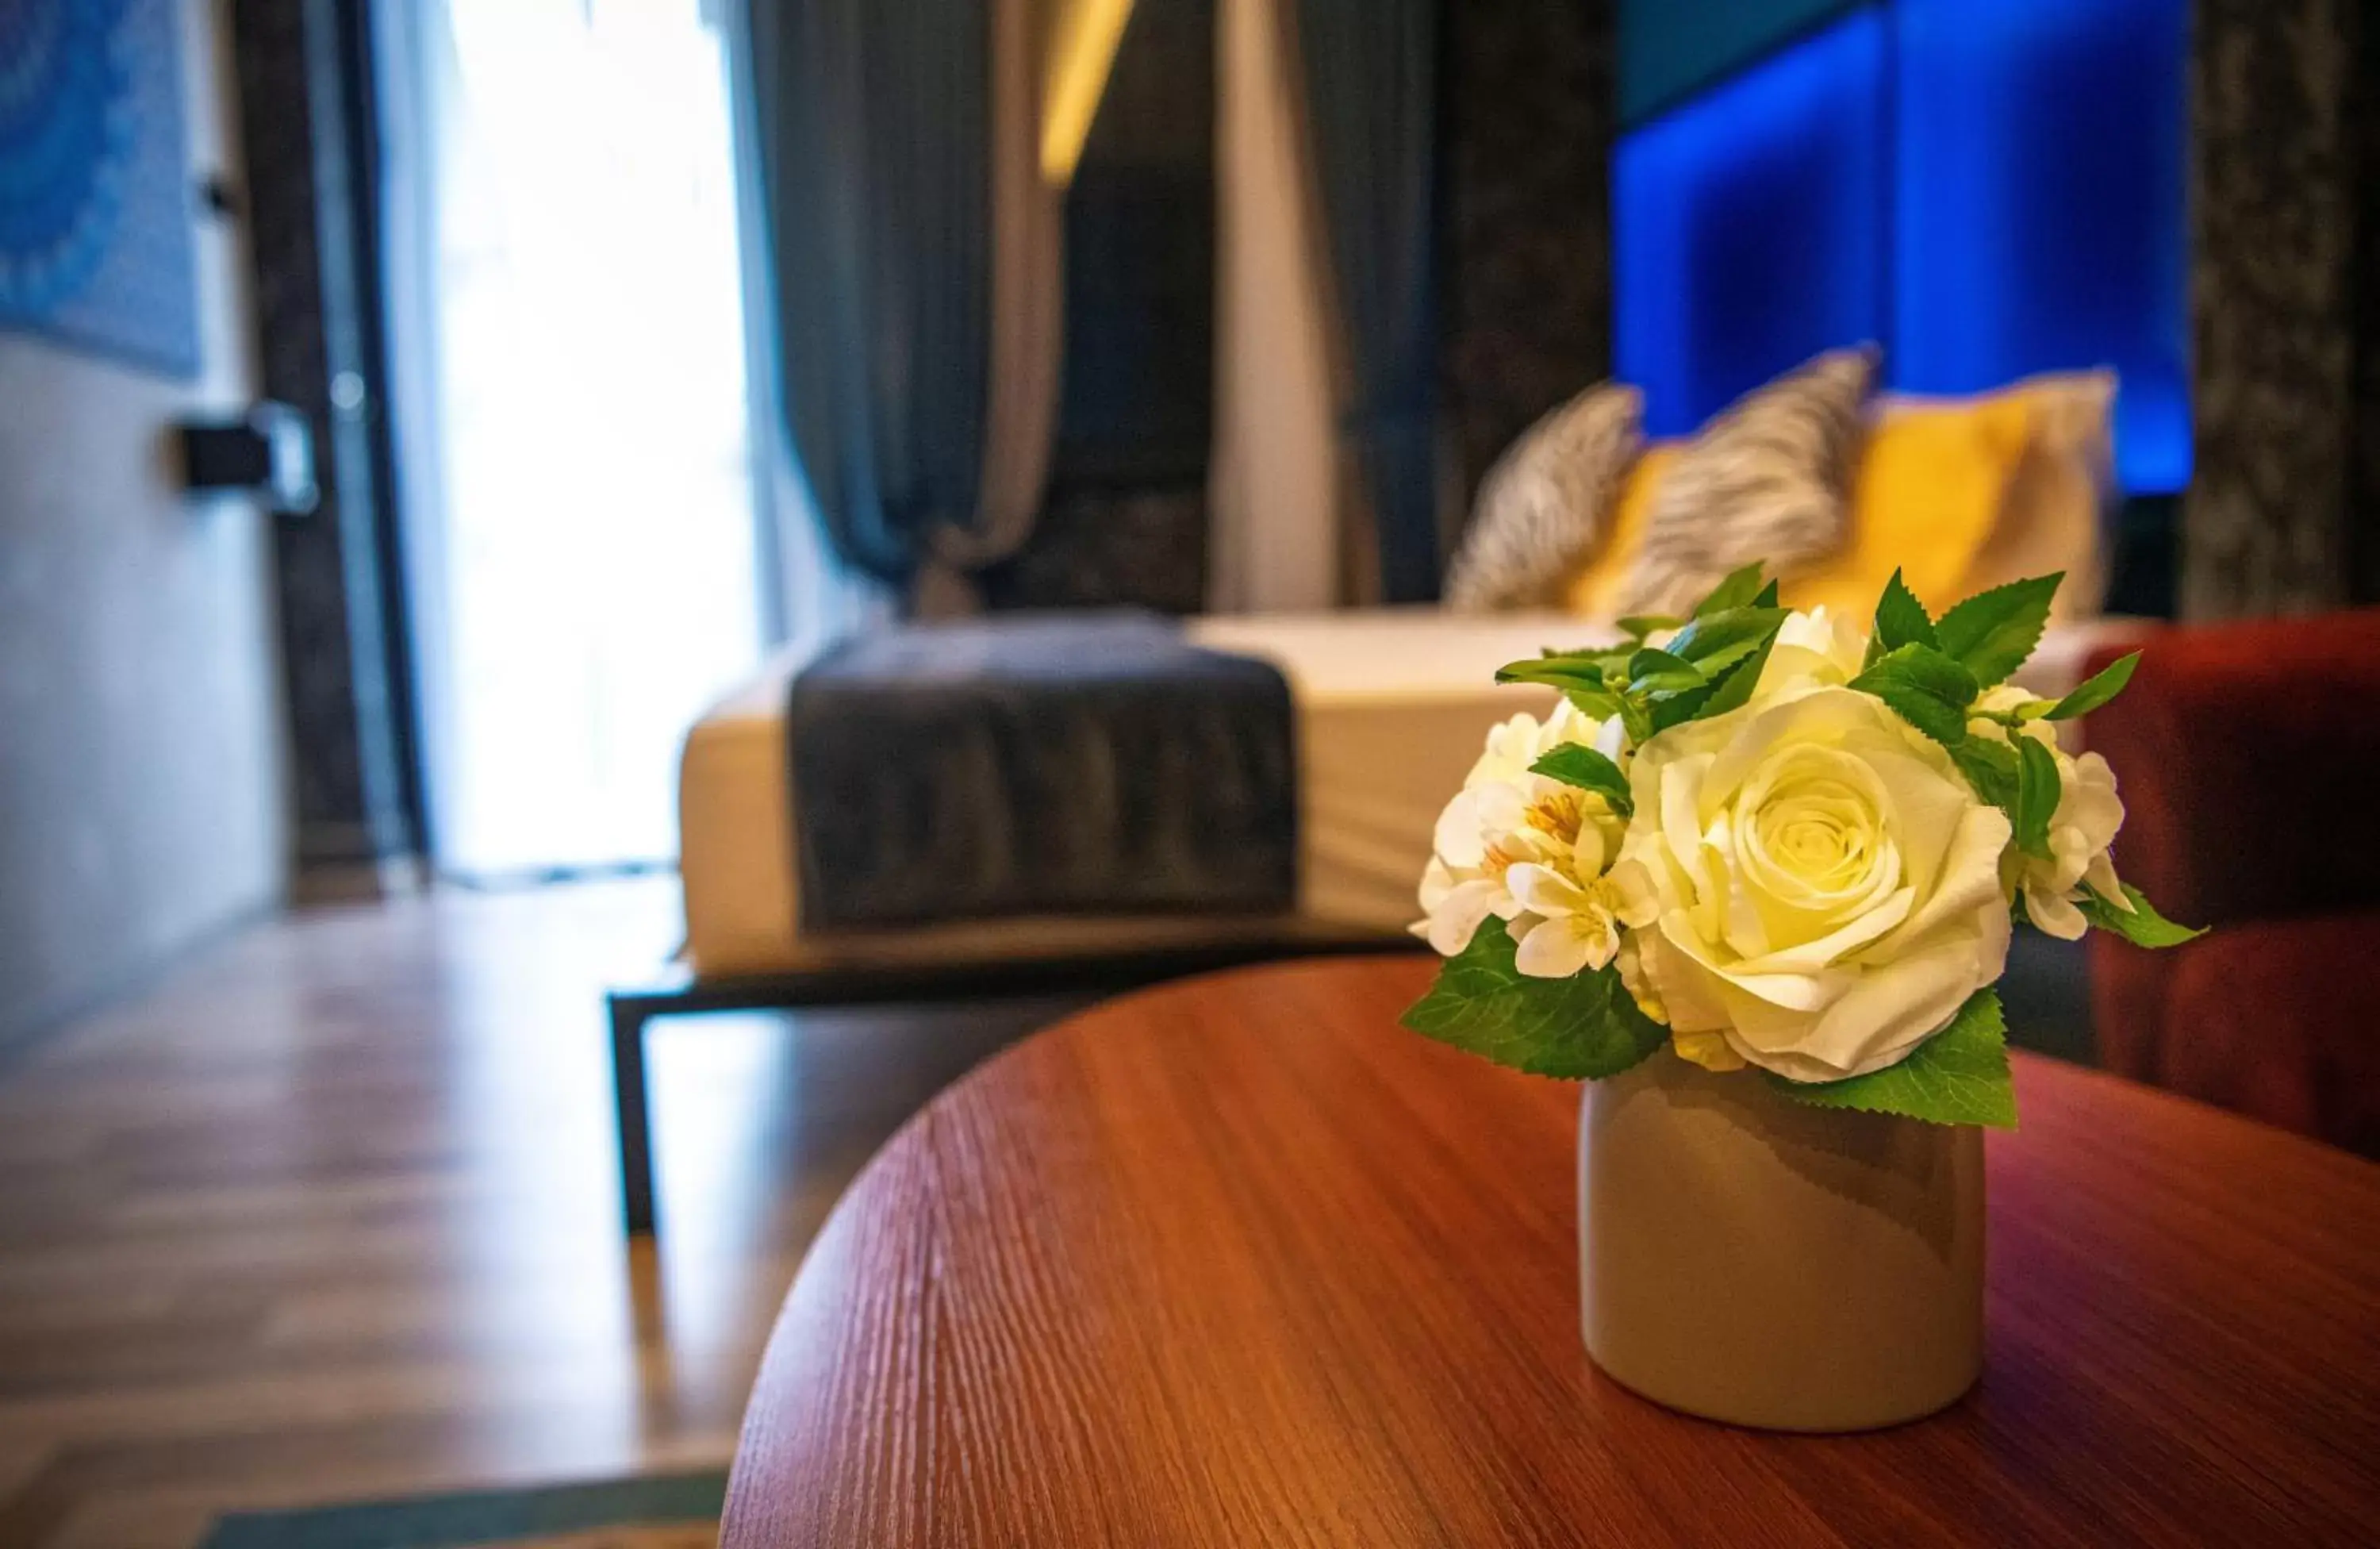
pixel 1566 671
pixel 1765 597
pixel 1991 768
pixel 1739 590
pixel 1717 639
pixel 1639 624
pixel 1576 764
pixel 2037 790
pixel 1901 619
pixel 1601 704
pixel 1925 687
pixel 1734 690
pixel 2142 925
pixel 1636 718
pixel 1958 1076
pixel 1658 672
pixel 2096 689
pixel 1732 686
pixel 1577 1028
pixel 1993 632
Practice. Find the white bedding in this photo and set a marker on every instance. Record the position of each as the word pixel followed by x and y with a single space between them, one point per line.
pixel 1391 706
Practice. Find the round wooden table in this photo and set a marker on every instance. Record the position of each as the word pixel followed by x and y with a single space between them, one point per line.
pixel 1239 1261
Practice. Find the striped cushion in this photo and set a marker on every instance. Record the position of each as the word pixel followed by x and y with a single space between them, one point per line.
pixel 1765 480
pixel 1542 508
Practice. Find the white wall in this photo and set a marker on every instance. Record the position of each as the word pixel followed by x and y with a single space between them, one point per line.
pixel 140 784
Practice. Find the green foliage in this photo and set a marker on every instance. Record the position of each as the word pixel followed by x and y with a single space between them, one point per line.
pixel 1991 768
pixel 1741 588
pixel 1564 670
pixel 1658 672
pixel 1958 1076
pixel 2094 690
pixel 1578 1028
pixel 1575 764
pixel 1925 687
pixel 1701 672
pixel 2037 790
pixel 1600 703
pixel 1900 620
pixel 1993 632
pixel 1733 691
pixel 1637 718
pixel 1719 639
pixel 2142 925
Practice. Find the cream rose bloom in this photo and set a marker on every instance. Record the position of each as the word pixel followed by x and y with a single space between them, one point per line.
pixel 1815 649
pixel 1826 888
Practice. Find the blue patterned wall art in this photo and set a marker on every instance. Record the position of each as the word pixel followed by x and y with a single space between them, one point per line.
pixel 96 245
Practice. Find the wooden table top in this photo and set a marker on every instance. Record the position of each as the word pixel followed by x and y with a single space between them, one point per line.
pixel 1238 1262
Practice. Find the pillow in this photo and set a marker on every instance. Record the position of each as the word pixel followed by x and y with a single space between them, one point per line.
pixel 1765 479
pixel 1595 591
pixel 2055 513
pixel 1541 508
pixel 1933 481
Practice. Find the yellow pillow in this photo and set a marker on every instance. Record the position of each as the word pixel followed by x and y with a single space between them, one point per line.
pixel 1932 481
pixel 1594 592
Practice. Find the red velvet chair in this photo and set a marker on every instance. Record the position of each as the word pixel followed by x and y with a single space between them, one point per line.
pixel 2248 756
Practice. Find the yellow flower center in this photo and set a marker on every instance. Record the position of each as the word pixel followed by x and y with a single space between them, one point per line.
pixel 1558 814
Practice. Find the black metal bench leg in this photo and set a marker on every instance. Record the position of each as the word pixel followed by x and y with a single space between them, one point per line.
pixel 636 1126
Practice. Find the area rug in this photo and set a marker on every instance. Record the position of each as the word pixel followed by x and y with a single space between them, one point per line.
pixel 675 1512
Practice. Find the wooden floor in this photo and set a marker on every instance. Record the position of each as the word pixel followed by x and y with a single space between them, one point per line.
pixel 331 1215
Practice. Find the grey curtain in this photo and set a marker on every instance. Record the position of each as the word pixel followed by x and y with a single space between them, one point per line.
pixel 874 123
pixel 1369 77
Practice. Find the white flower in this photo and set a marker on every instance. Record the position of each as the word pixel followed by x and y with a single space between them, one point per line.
pixel 1814 650
pixel 2080 830
pixel 1826 884
pixel 1574 925
pixel 1505 817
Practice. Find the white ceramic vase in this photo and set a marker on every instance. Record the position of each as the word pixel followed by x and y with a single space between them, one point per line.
pixel 1754 1259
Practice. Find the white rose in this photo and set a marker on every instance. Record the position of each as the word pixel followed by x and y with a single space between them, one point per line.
pixel 2080 830
pixel 1506 823
pixel 1814 649
pixel 1826 883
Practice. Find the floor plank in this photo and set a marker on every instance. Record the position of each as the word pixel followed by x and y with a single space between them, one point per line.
pixel 331 1215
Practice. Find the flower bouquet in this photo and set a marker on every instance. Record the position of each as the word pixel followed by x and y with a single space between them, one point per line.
pixel 1788 851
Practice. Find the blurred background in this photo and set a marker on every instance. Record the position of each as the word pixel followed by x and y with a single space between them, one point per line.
pixel 440 439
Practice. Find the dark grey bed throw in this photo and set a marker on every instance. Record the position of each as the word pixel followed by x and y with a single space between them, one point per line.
pixel 1055 763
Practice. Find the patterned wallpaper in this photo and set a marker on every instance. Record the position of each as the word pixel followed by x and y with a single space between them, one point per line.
pixel 2278 350
pixel 1527 114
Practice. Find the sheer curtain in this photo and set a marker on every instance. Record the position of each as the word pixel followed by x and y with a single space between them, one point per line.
pixel 587 562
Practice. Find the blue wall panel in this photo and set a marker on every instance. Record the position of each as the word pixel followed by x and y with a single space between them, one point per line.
pixel 2041 165
pixel 1748 225
pixel 1988 190
pixel 1670 49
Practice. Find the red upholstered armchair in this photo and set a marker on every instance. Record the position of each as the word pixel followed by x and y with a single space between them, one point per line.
pixel 2248 757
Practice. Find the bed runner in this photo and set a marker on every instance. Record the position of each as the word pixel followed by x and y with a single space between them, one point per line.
pixel 1044 763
